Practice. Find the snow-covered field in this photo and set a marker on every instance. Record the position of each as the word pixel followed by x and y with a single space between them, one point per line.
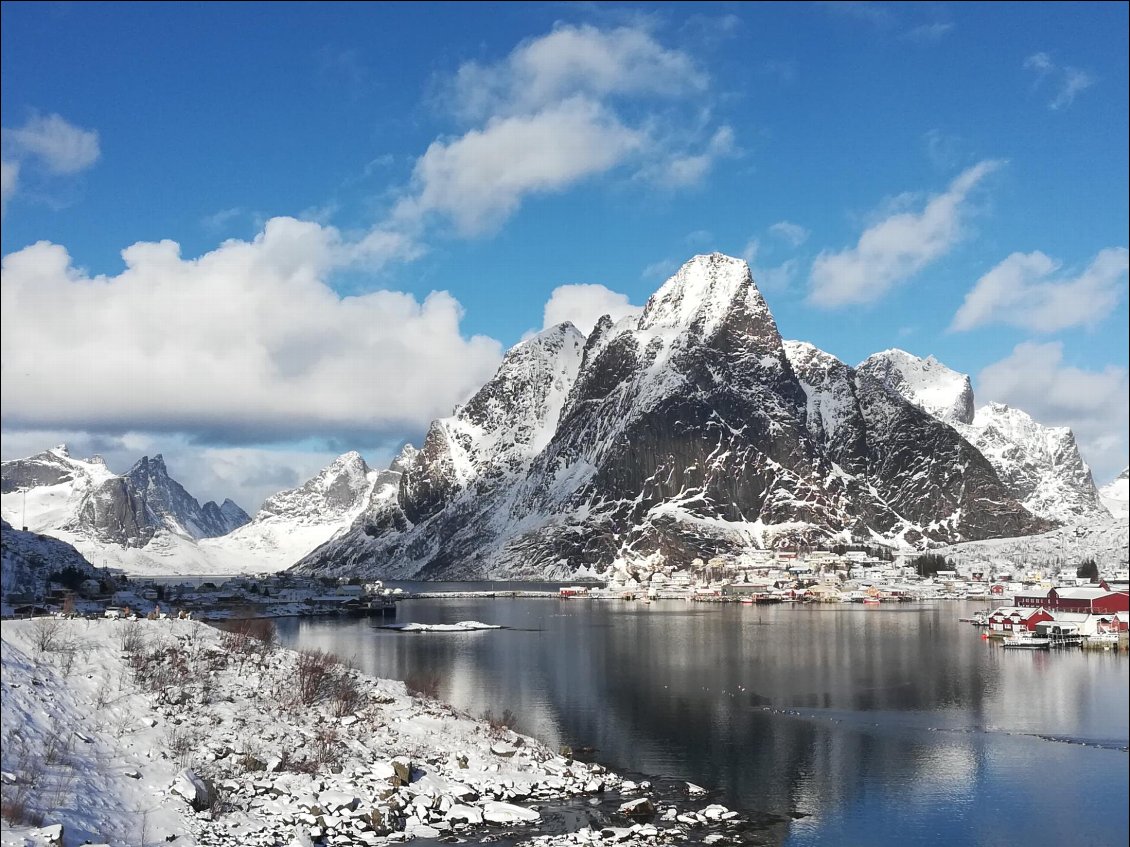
pixel 1106 543
pixel 148 732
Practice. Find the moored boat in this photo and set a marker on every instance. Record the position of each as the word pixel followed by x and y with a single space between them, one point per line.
pixel 1025 640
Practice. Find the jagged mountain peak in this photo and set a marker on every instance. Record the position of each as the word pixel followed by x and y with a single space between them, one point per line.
pixel 349 461
pixel 1019 424
pixel 145 465
pixel 403 459
pixel 61 450
pixel 927 383
pixel 804 352
pixel 336 490
pixel 701 294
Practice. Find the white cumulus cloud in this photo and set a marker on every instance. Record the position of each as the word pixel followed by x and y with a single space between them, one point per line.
pixel 1025 291
pixel 480 179
pixel 584 304
pixel 576 103
pixel 1094 404
pixel 246 342
pixel 896 247
pixel 575 60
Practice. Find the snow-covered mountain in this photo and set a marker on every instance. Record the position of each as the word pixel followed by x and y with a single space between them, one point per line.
pixel 1040 465
pixel 687 430
pixel 142 521
pixel 55 491
pixel 1116 494
pixel 292 523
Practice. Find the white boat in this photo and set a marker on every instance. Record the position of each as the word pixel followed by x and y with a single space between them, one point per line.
pixel 1025 640
pixel 1103 638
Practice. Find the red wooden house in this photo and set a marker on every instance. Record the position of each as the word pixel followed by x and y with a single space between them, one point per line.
pixel 1014 618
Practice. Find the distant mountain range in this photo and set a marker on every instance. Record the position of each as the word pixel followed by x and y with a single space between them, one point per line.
pixel 687 430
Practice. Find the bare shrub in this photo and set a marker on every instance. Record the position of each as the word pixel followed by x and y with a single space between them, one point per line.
pixel 314 674
pixel 344 693
pixel 423 684
pixel 324 751
pixel 132 638
pixel 46 635
pixel 321 753
pixel 264 631
pixel 16 812
pixel 182 743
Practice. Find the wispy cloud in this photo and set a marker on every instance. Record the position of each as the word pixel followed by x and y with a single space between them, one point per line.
pixel 660 269
pixel 47 143
pixel 896 247
pixel 894 21
pixel 793 234
pixel 928 32
pixel 1025 291
pixel 1066 82
pixel 769 277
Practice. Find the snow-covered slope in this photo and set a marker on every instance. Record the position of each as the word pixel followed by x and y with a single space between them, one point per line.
pixel 1068 546
pixel 102 719
pixel 684 430
pixel 292 523
pixel 1040 465
pixel 1116 494
pixel 45 491
pixel 144 522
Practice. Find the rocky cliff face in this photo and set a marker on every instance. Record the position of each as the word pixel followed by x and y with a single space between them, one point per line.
pixel 689 430
pixel 1040 466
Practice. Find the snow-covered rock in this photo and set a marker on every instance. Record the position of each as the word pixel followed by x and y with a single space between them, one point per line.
pixel 142 521
pixel 292 523
pixel 169 721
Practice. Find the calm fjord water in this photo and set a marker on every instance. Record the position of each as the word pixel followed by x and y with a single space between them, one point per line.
pixel 889 725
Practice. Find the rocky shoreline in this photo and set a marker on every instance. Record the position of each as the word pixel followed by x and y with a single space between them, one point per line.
pixel 174 732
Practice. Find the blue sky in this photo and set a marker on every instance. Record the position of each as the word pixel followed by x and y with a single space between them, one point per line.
pixel 352 210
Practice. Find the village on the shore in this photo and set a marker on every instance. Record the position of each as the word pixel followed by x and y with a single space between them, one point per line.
pixel 1072 605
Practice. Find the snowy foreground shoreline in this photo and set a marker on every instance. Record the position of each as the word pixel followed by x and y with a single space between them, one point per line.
pixel 155 732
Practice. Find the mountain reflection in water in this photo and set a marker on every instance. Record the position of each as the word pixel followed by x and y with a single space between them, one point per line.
pixel 867 725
